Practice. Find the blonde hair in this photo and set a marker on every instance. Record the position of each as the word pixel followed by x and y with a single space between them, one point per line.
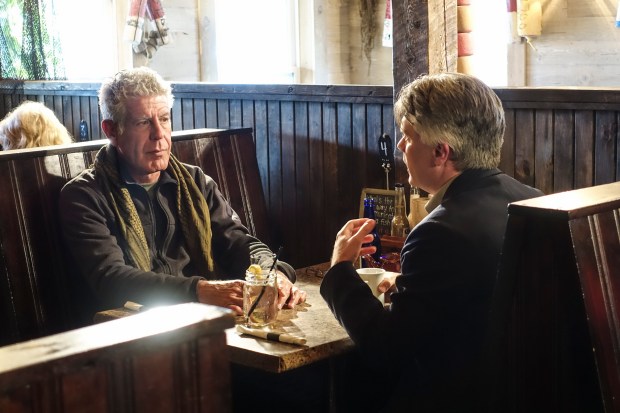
pixel 459 110
pixel 30 125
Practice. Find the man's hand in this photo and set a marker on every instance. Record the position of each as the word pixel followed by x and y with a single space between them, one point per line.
pixel 348 245
pixel 227 294
pixel 288 294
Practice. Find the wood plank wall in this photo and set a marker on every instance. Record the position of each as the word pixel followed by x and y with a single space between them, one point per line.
pixel 317 145
pixel 561 139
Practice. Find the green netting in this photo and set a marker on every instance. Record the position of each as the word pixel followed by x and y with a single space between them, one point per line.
pixel 29 46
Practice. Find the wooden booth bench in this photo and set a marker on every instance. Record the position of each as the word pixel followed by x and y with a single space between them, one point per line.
pixel 34 298
pixel 165 360
pixel 555 327
pixel 171 359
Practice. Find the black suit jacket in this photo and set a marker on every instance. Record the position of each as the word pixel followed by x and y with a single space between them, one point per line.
pixel 426 347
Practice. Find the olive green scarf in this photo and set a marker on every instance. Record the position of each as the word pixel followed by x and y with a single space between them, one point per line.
pixel 192 209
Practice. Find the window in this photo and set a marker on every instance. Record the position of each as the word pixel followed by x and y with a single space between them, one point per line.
pixel 88 35
pixel 490 36
pixel 257 45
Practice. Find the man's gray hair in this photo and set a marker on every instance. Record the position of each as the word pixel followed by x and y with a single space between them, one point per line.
pixel 130 83
pixel 459 110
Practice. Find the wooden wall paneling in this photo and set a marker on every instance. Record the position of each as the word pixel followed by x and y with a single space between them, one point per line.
pixel 223 113
pixel 316 212
pixel 542 151
pixel 275 189
pixel 332 186
pixel 261 137
pixel 507 160
pixel 349 179
pixel 200 114
pixel 94 120
pixel 288 223
pixel 67 112
pixel 187 110
pixel 235 113
pixel 76 116
pixel 5 107
pixel 524 146
pixel 48 100
pixel 58 107
pixel 248 119
pixel 606 136
pixel 211 110
pixel 6 104
pixel 375 174
pixel 359 148
pixel 303 240
pixel 177 115
pixel 584 148
pixel 563 150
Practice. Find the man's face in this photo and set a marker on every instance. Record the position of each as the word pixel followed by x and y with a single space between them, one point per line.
pixel 145 143
pixel 417 156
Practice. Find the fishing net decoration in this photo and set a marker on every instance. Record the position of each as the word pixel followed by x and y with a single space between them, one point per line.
pixel 37 55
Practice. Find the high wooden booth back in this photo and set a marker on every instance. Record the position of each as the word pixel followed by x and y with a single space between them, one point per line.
pixel 34 295
pixel 164 360
pixel 316 145
pixel 555 331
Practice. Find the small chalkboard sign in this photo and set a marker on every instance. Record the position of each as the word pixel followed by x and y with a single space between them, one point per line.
pixel 384 207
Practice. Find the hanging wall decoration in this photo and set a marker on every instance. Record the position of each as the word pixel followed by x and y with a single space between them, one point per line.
pixel 368 10
pixel 529 19
pixel 146 27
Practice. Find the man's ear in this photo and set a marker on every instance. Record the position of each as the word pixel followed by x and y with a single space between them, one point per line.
pixel 109 128
pixel 442 152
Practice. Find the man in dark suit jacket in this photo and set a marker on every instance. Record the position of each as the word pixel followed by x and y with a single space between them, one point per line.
pixel 426 347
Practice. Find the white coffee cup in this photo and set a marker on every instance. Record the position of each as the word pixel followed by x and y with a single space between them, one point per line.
pixel 373 277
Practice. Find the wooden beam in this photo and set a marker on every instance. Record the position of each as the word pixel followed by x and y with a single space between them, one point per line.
pixel 424 34
pixel 425 41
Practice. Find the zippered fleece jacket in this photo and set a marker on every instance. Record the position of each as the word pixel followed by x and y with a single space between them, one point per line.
pixel 102 276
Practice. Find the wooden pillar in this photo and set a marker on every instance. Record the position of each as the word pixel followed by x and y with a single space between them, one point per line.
pixel 425 41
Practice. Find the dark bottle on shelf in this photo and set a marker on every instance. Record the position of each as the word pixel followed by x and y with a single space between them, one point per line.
pixel 369 212
pixel 83 131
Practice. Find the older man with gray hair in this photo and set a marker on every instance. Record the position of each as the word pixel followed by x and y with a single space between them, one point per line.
pixel 142 226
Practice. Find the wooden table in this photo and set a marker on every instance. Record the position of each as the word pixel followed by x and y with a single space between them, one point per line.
pixel 311 320
pixel 309 375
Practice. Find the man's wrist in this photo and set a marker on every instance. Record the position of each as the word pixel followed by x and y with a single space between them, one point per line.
pixel 201 285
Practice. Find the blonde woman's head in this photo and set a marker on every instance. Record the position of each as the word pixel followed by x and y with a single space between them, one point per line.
pixel 30 125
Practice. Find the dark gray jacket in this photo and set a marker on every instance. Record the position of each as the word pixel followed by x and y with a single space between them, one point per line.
pixel 426 347
pixel 99 253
